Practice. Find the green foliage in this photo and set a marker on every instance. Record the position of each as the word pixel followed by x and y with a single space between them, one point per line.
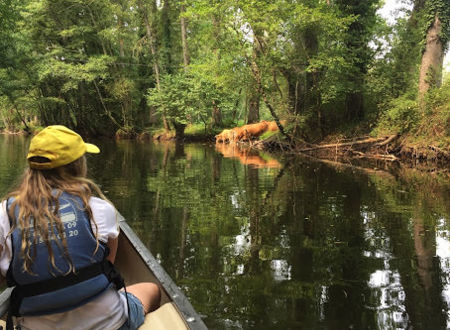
pixel 435 123
pixel 201 130
pixel 401 117
pixel 188 97
pixel 267 135
pixel 393 77
pixel 441 9
pixel 438 98
pixel 9 15
pixel 177 98
pixel 93 66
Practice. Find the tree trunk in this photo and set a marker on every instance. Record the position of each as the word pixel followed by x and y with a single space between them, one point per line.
pixel 253 106
pixel 121 41
pixel 312 79
pixel 186 58
pixel 236 104
pixel 166 38
pixel 432 59
pixel 354 105
pixel 257 77
pixel 255 89
pixel 296 90
pixel 217 112
pixel 151 42
pixel 216 116
pixel 179 130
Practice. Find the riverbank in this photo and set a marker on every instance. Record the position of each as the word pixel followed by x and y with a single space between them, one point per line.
pixel 366 150
pixel 390 148
pixel 13 132
pixel 362 152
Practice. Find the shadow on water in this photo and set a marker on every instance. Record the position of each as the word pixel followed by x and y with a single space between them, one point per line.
pixel 308 245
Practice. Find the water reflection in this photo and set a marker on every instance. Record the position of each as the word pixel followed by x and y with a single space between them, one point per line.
pixel 443 253
pixel 247 156
pixel 388 295
pixel 297 247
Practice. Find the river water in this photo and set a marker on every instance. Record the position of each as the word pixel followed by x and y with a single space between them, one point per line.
pixel 259 243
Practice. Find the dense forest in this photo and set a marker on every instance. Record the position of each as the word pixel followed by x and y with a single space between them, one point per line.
pixel 326 67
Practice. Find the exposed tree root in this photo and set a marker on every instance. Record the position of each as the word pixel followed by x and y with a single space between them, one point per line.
pixel 356 144
pixel 388 148
pixel 388 140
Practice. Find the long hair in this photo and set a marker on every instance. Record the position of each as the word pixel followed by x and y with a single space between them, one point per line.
pixel 36 198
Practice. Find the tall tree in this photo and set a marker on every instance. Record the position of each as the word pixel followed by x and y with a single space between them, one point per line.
pixel 437 31
pixel 167 46
pixel 258 28
pixel 150 33
pixel 14 58
pixel 216 111
pixel 184 42
pixel 359 53
pixel 181 125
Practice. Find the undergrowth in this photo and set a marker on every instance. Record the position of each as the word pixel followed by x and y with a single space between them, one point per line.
pixel 429 124
pixel 434 125
pixel 401 117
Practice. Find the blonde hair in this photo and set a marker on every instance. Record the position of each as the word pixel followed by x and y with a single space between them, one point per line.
pixel 36 197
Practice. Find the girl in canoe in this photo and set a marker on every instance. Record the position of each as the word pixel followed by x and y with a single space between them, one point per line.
pixel 58 244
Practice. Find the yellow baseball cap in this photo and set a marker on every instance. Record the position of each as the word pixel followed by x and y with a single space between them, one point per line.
pixel 59 145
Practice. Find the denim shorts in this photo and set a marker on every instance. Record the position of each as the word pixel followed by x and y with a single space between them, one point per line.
pixel 136 310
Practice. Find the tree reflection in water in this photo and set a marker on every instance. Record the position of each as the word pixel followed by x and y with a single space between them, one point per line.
pixel 256 246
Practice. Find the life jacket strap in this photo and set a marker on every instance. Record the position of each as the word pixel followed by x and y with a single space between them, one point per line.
pixel 33 289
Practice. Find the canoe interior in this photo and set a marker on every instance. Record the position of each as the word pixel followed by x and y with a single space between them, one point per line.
pixel 133 268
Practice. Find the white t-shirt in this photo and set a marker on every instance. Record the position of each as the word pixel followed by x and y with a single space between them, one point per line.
pixel 108 311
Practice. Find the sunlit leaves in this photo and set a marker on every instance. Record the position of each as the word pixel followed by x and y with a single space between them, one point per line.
pixel 187 97
pixel 73 73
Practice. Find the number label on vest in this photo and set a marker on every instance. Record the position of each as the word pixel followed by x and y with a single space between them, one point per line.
pixel 73 233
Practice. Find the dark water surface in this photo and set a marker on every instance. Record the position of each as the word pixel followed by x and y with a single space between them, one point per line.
pixel 258 245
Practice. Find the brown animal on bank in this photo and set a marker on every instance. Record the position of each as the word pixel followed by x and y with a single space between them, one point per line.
pixel 253 131
pixel 247 132
pixel 224 136
pixel 238 133
pixel 219 138
pixel 273 125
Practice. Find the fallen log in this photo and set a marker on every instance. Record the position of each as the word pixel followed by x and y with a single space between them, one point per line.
pixel 388 140
pixel 368 141
pixel 375 156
